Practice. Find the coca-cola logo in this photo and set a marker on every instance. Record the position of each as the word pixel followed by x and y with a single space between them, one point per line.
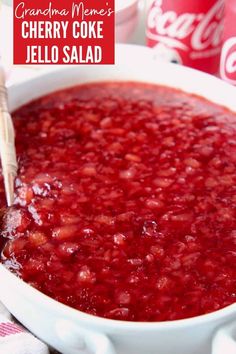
pixel 204 30
pixel 228 61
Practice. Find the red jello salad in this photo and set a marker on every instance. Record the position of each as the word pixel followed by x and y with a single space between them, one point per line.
pixel 125 201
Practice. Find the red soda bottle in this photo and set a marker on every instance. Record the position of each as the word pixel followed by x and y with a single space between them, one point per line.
pixel 228 54
pixel 190 31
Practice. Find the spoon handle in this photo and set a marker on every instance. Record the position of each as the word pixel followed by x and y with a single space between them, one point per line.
pixel 7 143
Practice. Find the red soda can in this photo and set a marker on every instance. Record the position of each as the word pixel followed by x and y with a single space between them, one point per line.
pixel 190 32
pixel 228 54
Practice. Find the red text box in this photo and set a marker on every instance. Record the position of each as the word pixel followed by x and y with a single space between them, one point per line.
pixel 64 32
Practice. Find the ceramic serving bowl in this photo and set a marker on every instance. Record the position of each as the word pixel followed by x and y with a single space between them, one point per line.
pixel 71 331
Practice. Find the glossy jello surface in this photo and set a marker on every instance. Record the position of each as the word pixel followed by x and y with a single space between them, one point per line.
pixel 125 201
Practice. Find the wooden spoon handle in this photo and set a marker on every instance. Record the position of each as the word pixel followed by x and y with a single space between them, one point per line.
pixel 7 144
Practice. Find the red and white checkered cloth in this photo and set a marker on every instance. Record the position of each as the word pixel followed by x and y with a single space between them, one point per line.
pixel 15 339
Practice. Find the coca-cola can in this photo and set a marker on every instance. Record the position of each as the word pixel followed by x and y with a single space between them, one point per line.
pixel 228 54
pixel 188 32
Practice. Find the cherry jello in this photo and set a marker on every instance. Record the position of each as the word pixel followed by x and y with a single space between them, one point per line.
pixel 125 201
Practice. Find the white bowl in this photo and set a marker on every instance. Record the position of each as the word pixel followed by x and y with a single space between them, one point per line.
pixel 71 331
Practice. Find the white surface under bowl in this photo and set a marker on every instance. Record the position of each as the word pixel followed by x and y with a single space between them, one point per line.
pixel 71 331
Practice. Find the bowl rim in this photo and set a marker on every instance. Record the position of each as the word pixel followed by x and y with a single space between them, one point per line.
pixel 109 324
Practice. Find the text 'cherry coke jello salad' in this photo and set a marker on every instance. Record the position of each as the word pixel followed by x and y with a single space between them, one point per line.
pixel 125 201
